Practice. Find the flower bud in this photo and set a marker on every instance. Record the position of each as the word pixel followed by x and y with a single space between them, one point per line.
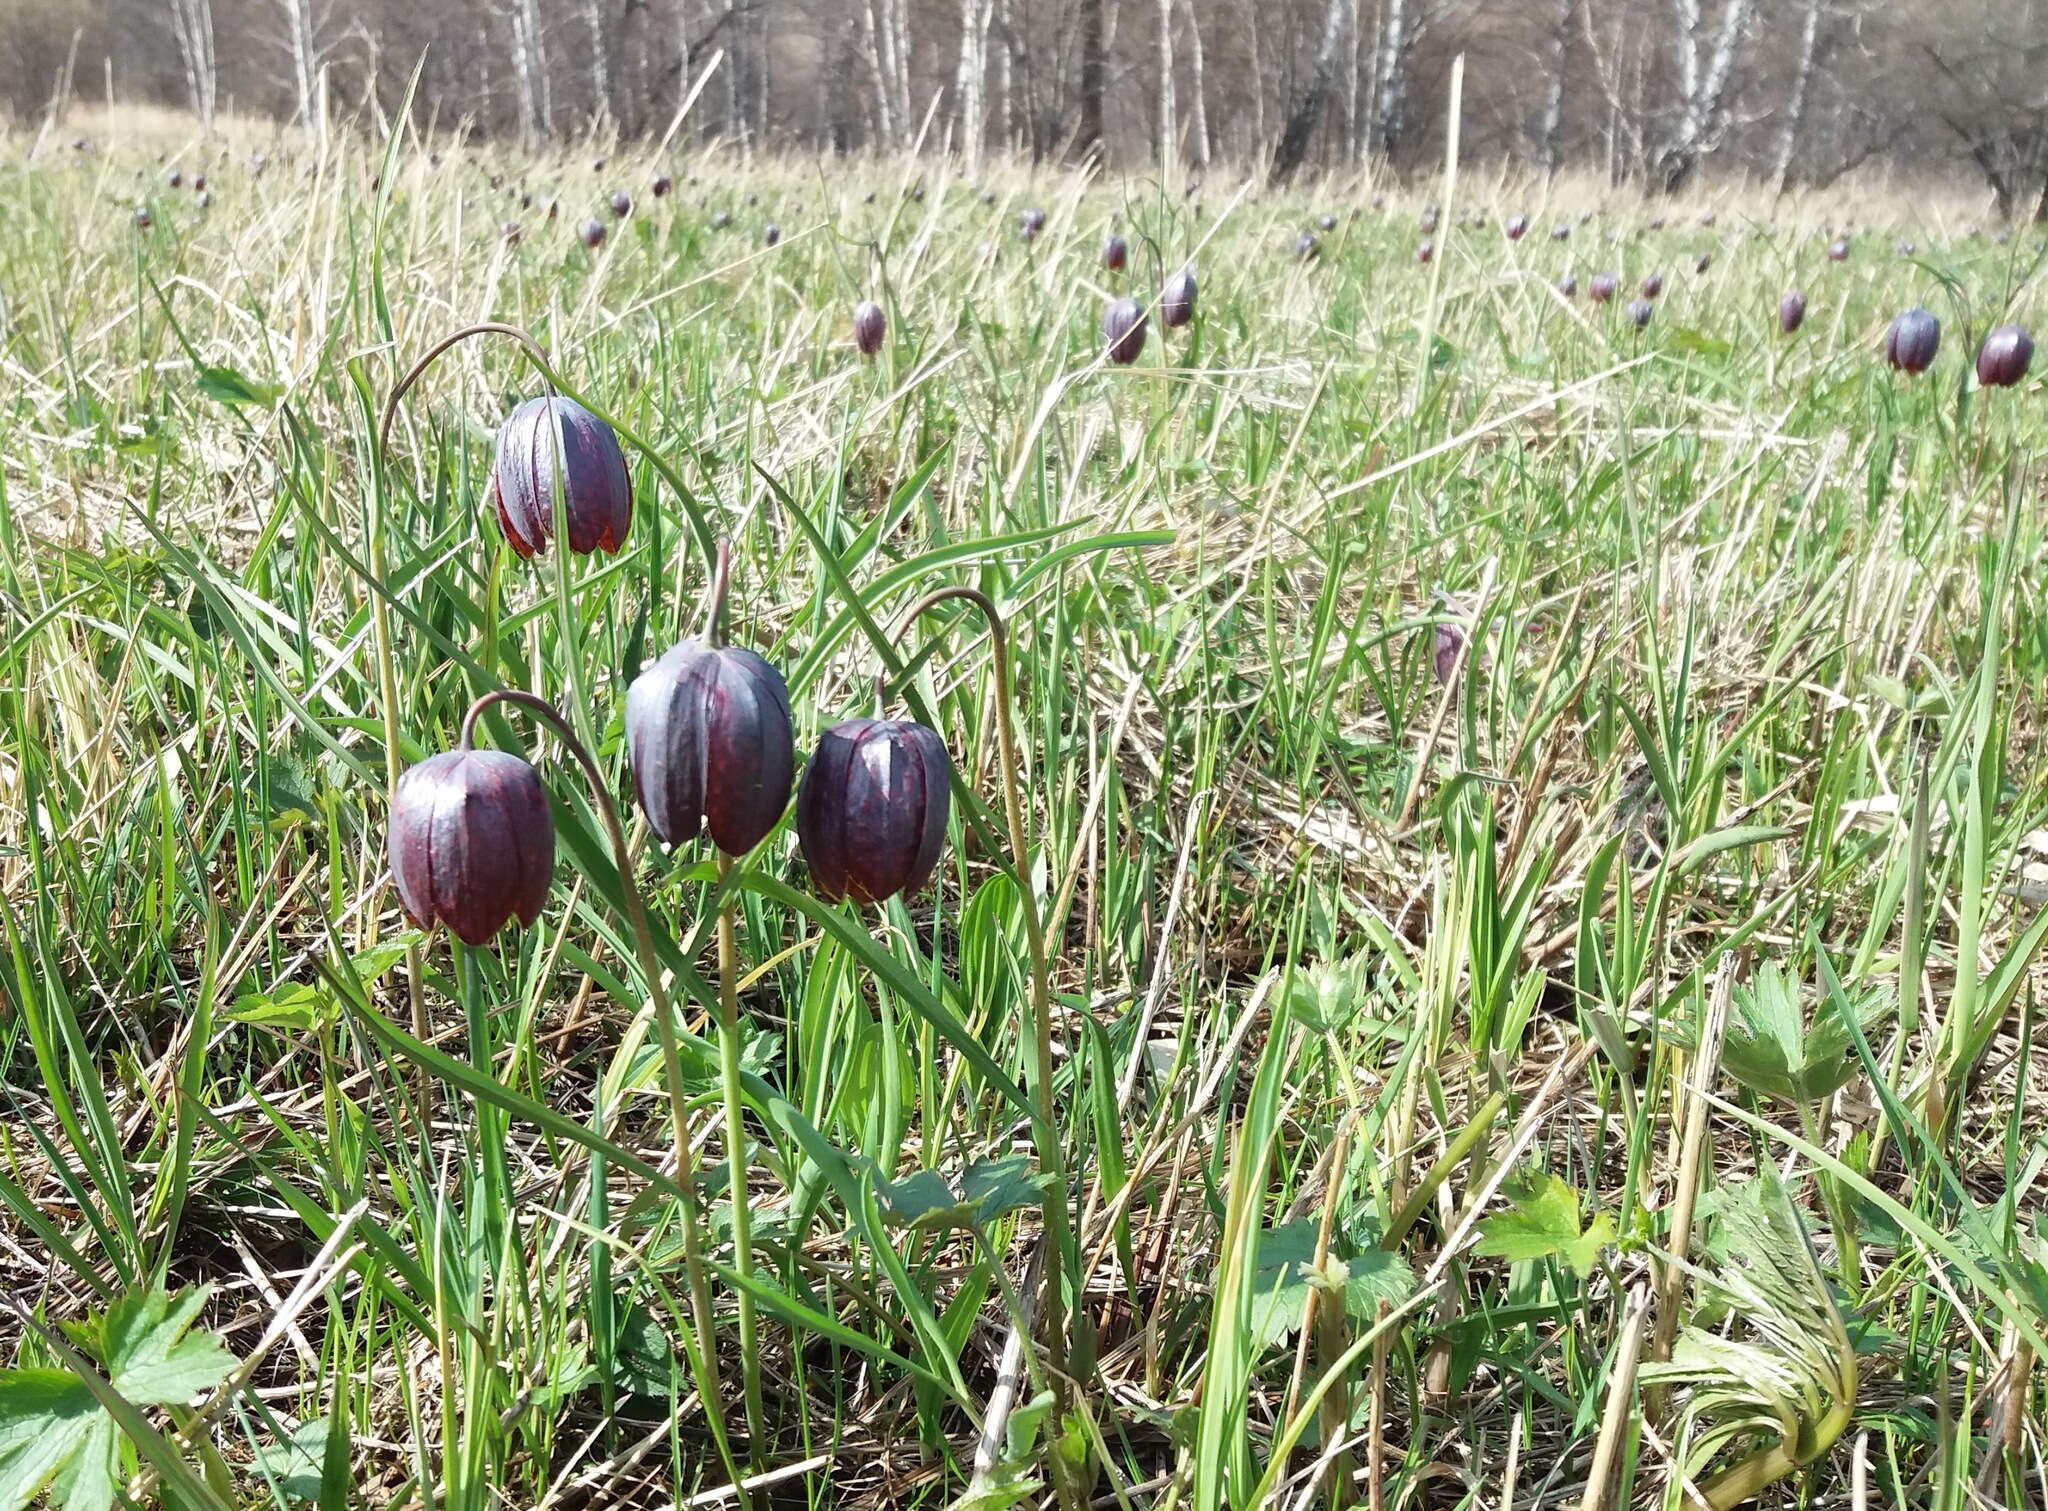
pixel 1177 299
pixel 2004 357
pixel 869 326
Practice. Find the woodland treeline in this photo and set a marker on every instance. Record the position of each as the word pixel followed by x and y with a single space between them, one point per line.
pixel 1789 93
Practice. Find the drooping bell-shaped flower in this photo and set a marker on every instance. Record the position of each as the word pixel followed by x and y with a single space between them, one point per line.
pixel 870 325
pixel 2004 357
pixel 1602 287
pixel 1912 341
pixel 709 738
pixel 1791 312
pixel 1653 285
pixel 1116 254
pixel 1177 299
pixel 1517 227
pixel 871 811
pixel 1639 310
pixel 597 494
pixel 472 842
pixel 1123 329
pixel 591 233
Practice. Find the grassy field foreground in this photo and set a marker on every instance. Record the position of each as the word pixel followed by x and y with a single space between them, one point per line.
pixel 1535 822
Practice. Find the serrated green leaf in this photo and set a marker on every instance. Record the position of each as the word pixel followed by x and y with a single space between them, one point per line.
pixel 46 1415
pixel 295 1463
pixel 151 1358
pixel 1544 1222
pixel 292 1006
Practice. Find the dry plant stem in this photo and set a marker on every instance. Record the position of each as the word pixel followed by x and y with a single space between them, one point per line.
pixel 1376 1419
pixel 705 1349
pixel 1045 1128
pixel 1670 1273
pixel 1620 1387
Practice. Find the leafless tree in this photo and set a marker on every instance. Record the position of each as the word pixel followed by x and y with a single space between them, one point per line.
pixel 1704 69
pixel 192 28
pixel 1301 125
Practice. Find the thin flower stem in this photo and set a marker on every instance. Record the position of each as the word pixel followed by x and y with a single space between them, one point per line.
pixel 537 354
pixel 736 1159
pixel 705 1355
pixel 1045 1128
pixel 729 1071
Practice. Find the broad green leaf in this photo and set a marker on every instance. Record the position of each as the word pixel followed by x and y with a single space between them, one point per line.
pixel 150 1356
pixel 45 1416
pixel 296 1462
pixel 226 386
pixel 1544 1222
pixel 54 1429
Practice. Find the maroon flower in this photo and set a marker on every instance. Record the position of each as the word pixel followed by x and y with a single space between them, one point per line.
pixel 472 842
pixel 1177 299
pixel 2004 357
pixel 1517 227
pixel 869 326
pixel 871 812
pixel 1912 341
pixel 1116 252
pixel 1123 329
pixel 597 494
pixel 709 738
pixel 1791 312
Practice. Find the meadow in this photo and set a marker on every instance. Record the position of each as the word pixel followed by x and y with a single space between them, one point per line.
pixel 1509 980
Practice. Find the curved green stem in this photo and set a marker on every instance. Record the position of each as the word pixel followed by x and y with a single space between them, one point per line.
pixel 704 1357
pixel 538 356
pixel 1044 1126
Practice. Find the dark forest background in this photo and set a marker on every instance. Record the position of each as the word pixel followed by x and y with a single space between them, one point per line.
pixel 1788 93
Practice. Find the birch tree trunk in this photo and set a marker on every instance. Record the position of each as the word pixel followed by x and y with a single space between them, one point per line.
pixel 1390 79
pixel 1703 86
pixel 298 41
pixel 972 81
pixel 1549 128
pixel 1802 92
pixel 1200 122
pixel 873 42
pixel 524 71
pixel 192 29
pixel 1301 125
pixel 1169 125
pixel 1093 81
pixel 600 65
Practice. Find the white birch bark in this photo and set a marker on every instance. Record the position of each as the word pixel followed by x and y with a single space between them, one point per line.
pixel 1202 147
pixel 1802 93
